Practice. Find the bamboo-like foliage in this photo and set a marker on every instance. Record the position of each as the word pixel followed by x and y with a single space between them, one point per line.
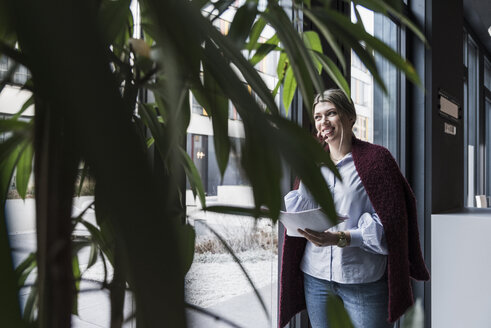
pixel 87 73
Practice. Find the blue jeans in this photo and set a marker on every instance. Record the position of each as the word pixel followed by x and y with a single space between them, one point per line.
pixel 365 303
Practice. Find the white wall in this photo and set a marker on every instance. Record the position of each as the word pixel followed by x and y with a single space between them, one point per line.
pixel 461 269
pixel 21 215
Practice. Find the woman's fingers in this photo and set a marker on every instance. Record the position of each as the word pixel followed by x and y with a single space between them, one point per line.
pixel 317 238
pixel 325 238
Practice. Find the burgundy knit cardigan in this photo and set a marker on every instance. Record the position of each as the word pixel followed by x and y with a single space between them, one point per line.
pixel 394 203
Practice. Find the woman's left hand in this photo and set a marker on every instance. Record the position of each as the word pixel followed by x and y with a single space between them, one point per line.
pixel 326 238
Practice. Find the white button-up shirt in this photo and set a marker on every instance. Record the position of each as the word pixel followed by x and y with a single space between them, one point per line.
pixel 365 259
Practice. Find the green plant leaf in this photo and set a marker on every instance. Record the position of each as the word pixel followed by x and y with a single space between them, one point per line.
pixel 200 3
pixel 77 276
pixel 249 73
pixel 289 87
pixel 259 154
pixel 221 6
pixel 31 304
pixel 24 169
pixel 256 31
pixel 14 125
pixel 94 251
pixel 276 88
pixel 100 240
pixel 150 142
pixel 235 210
pixel 187 238
pixel 365 56
pixel 117 289
pixel 10 151
pixel 193 176
pixel 242 23
pixel 7 29
pixel 336 313
pixel 328 35
pixel 218 109
pixel 157 129
pixel 283 64
pixel 25 268
pixel 113 15
pixel 313 42
pixel 300 60
pixel 84 173
pixel 264 49
pixel 359 33
pixel 393 8
pixel 334 73
pixel 24 107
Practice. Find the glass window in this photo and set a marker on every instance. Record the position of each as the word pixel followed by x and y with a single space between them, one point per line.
pixel 378 113
pixel 197 108
pixel 215 281
pixel 471 128
pixel 21 75
pixel 4 66
pixel 232 112
pixel 487 105
pixel 487 73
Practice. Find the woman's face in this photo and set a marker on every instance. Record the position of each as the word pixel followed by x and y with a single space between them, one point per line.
pixel 328 123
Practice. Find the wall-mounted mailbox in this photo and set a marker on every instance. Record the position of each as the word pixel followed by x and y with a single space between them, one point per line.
pixel 448 107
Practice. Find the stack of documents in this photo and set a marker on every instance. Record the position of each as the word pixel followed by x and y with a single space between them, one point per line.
pixel 314 219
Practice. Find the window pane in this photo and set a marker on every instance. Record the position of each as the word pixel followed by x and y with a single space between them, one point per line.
pixel 487 73
pixel 488 146
pixel 4 66
pixel 215 281
pixel 471 118
pixel 377 112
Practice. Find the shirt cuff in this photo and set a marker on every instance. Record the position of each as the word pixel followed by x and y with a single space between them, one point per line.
pixel 356 238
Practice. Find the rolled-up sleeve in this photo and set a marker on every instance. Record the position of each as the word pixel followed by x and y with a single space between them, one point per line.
pixel 299 200
pixel 369 235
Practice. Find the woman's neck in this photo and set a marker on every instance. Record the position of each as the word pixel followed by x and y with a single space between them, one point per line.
pixel 338 150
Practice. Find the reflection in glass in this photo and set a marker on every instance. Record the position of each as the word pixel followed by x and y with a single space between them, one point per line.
pixel 488 145
pixel 471 118
pixel 377 112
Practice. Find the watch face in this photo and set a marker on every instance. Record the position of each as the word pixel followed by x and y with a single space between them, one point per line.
pixel 342 243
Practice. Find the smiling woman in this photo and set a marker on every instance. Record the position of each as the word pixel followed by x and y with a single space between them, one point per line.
pixel 362 260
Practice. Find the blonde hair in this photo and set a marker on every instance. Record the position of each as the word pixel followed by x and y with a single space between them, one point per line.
pixel 338 98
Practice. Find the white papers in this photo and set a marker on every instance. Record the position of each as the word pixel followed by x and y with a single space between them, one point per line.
pixel 311 219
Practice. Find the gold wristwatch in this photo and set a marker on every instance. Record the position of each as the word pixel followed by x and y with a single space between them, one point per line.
pixel 342 242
